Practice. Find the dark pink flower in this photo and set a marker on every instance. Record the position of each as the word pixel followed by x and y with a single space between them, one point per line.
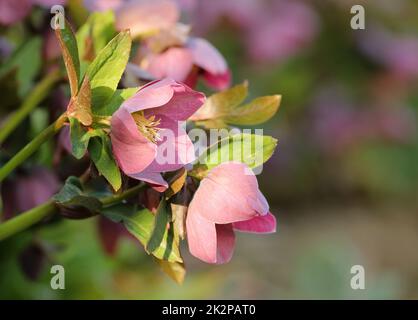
pixel 145 132
pixel 227 199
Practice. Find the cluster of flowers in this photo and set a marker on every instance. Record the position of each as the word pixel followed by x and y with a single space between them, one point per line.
pixel 170 62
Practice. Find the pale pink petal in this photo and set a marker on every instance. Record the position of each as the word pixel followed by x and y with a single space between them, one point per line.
pixel 12 11
pixel 225 241
pixel 175 63
pixel 174 150
pixel 132 150
pixel 143 17
pixel 184 103
pixel 201 237
pixel 234 195
pixel 219 81
pixel 207 56
pixel 102 5
pixel 153 178
pixel 152 95
pixel 260 224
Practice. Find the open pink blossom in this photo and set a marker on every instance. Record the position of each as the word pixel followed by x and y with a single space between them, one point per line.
pixel 12 11
pixel 145 132
pixel 184 63
pixel 227 199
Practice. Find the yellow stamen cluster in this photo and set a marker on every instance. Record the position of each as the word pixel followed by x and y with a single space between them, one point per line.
pixel 147 126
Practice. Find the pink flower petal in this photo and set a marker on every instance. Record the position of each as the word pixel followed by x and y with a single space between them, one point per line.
pixel 152 95
pixel 225 241
pixel 201 237
pixel 207 56
pixel 260 224
pixel 219 81
pixel 153 178
pixel 183 105
pixel 175 63
pixel 132 150
pixel 146 16
pixel 234 195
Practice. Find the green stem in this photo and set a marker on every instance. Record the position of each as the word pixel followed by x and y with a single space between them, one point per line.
pixel 115 198
pixel 32 101
pixel 29 218
pixel 26 219
pixel 31 147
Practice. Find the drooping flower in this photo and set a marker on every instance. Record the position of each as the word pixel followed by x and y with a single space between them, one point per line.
pixel 227 199
pixel 184 60
pixel 145 132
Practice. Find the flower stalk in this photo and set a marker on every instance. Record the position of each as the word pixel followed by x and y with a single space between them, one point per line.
pixel 32 146
pixel 32 216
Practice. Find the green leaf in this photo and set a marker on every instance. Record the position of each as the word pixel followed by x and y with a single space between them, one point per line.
pixel 140 224
pixel 107 68
pixel 26 60
pixel 80 137
pixel 98 30
pixel 72 196
pixel 101 155
pixel 162 218
pixel 69 50
pixel 250 149
pixel 220 104
pixel 115 101
pixel 224 108
pixel 255 112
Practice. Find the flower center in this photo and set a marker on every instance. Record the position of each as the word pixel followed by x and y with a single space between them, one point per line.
pixel 147 126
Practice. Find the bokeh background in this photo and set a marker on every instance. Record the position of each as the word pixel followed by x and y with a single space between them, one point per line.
pixel 343 182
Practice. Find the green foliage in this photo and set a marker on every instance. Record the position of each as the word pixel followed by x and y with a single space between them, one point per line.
pixel 80 137
pixel 93 36
pixel 68 44
pixel 225 108
pixel 101 154
pixel 26 60
pixel 140 223
pixel 107 68
pixel 250 149
pixel 115 101
pixel 72 196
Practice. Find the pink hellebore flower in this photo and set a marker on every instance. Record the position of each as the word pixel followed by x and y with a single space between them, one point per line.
pixel 12 11
pixel 227 199
pixel 183 63
pixel 145 132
